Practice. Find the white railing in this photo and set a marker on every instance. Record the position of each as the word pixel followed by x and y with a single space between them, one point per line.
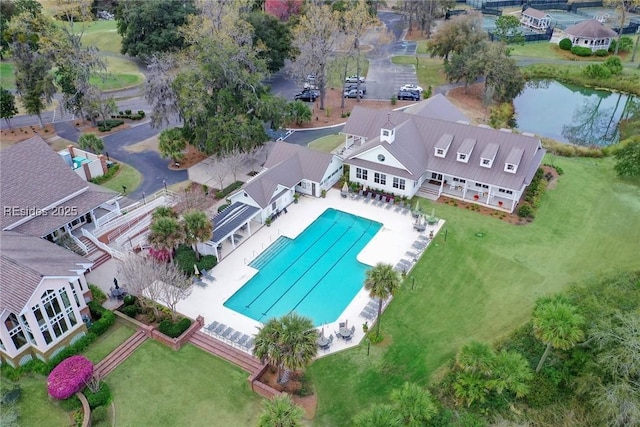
pixel 111 251
pixel 80 244
pixel 140 241
pixel 130 215
pixel 107 217
pixel 132 231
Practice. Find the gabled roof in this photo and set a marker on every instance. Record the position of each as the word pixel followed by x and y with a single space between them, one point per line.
pixel 535 13
pixel 590 29
pixel 33 176
pixel 416 138
pixel 287 165
pixel 438 107
pixel 25 261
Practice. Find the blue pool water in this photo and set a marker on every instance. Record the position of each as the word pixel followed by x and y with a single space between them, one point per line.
pixel 316 274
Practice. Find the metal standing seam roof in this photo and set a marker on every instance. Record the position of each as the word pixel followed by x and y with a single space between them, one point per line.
pixel 427 132
pixel 25 261
pixel 32 175
pixel 467 146
pixel 230 219
pixel 444 142
pixel 514 156
pixel 490 151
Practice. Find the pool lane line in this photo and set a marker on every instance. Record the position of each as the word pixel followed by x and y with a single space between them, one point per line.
pixel 332 267
pixel 291 265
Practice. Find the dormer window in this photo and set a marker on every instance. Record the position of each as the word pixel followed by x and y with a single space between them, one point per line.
pixel 488 155
pixel 465 150
pixel 385 132
pixel 513 160
pixel 486 163
pixel 442 146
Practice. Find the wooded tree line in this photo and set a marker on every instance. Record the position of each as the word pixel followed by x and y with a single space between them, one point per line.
pixel 576 362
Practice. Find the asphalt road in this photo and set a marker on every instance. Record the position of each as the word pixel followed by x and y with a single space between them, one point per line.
pixel 154 169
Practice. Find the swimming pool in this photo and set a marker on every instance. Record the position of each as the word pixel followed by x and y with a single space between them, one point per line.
pixel 316 274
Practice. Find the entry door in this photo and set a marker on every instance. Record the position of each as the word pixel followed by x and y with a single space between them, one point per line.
pixel 313 189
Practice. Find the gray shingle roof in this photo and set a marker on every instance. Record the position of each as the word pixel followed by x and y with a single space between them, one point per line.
pixel 25 260
pixel 287 165
pixel 32 175
pixel 415 144
pixel 438 107
pixel 591 29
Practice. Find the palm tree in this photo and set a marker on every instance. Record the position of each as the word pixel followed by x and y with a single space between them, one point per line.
pixel 197 229
pixel 511 372
pixel 415 404
pixel 281 412
pixel 165 233
pixel 289 342
pixel 381 415
pixel 166 211
pixel 470 387
pixel 557 324
pixel 476 357
pixel 381 282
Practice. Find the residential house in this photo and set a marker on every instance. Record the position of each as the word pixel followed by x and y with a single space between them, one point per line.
pixel 404 153
pixel 591 34
pixel 43 298
pixel 42 196
pixel 289 169
pixel 536 19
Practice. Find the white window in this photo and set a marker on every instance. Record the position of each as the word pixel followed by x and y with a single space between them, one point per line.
pixel 511 168
pixel 502 190
pixel 460 180
pixel 385 132
pixel 398 183
pixel 361 173
pixel 485 163
pixel 481 185
pixel 439 152
pixel 462 157
pixel 380 178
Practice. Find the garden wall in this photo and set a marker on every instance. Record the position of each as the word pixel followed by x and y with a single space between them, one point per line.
pixel 261 388
pixel 152 332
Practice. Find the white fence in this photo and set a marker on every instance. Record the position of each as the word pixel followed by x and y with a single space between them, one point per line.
pixel 108 249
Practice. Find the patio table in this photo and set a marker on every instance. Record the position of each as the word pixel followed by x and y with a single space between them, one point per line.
pixel 323 342
pixel 345 332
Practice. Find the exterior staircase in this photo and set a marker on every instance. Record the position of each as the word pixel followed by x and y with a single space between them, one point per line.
pixel 120 354
pixel 227 352
pixel 97 255
pixel 428 192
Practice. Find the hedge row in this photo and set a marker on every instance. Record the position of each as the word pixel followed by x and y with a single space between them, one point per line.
pixel 186 258
pixel 227 190
pixel 172 329
pixel 107 125
pixel 126 114
pixel 107 176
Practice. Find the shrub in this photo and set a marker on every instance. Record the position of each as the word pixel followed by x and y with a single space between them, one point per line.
pixel 626 44
pixel 525 211
pixel 394 100
pixel 597 71
pixel 174 330
pixel 107 125
pixel 601 52
pixel 581 51
pixel 99 398
pixel 223 207
pixel 207 262
pixel 565 44
pixel 228 189
pixel 129 300
pixel 127 112
pixel 107 176
pixel 130 310
pixel 185 258
pixel 98 295
pixel 98 415
pixel 141 113
pixel 69 377
pixel 614 64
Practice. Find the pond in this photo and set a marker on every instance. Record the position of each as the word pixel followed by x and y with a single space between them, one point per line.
pixel 573 114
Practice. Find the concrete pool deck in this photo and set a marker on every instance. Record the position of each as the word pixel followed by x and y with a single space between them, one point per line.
pixel 389 245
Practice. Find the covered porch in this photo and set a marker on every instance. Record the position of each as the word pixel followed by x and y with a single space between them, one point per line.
pixel 230 227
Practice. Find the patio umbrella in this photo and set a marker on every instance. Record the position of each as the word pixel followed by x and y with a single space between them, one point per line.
pixel 345 187
pixel 195 270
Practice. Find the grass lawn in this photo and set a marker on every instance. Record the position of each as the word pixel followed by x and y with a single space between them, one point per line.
pixel 157 386
pixel 104 36
pixel 7 79
pixel 35 408
pixel 108 342
pixel 116 81
pixel 481 288
pixel 327 143
pixel 430 70
pixel 542 49
pixel 127 176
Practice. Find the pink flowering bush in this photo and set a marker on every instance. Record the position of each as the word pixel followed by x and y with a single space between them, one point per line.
pixel 161 255
pixel 69 377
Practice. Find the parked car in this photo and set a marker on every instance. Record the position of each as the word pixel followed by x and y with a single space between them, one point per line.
pixel 408 95
pixel 310 86
pixel 307 95
pixel 354 79
pixel 362 87
pixel 353 93
pixel 411 87
pixel 311 78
